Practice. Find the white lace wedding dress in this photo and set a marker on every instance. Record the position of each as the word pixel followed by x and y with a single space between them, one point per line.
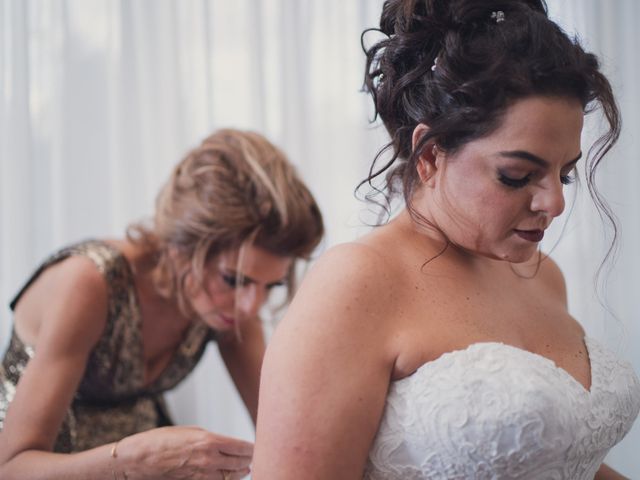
pixel 492 411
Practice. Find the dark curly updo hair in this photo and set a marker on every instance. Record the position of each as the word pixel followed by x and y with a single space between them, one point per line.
pixel 457 65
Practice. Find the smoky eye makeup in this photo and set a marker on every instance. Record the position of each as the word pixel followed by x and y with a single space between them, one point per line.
pixel 569 177
pixel 231 279
pixel 513 181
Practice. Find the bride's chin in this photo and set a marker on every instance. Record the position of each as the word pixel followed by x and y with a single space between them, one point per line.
pixel 520 257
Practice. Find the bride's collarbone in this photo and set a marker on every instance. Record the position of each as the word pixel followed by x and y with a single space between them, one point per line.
pixel 449 319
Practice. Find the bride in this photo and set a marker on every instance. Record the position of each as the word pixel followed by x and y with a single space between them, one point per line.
pixel 439 345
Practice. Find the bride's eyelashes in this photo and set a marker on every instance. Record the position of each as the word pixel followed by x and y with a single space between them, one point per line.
pixel 514 182
pixel 523 181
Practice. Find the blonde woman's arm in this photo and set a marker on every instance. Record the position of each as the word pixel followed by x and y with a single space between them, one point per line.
pixel 73 307
pixel 243 358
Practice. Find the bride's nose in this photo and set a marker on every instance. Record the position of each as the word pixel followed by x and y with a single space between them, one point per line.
pixel 549 199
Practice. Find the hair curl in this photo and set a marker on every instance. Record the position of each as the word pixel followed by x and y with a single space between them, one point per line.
pixel 235 188
pixel 483 67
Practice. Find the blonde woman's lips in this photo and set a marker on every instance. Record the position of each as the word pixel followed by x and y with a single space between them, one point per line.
pixel 531 235
pixel 230 321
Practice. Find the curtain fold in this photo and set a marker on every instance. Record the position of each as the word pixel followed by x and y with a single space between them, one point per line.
pixel 100 98
pixel 611 310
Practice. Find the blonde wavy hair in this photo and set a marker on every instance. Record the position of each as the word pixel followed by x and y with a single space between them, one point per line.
pixel 235 189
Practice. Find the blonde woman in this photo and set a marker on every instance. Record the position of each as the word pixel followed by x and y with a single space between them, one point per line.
pixel 104 327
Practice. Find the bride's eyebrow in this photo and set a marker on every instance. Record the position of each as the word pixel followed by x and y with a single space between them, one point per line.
pixel 530 157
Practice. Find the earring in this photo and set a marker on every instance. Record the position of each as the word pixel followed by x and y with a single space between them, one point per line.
pixel 434 150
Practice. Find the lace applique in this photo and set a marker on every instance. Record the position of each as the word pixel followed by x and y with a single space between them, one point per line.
pixel 496 411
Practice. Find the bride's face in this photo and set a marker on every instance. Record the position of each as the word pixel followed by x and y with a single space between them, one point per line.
pixel 497 195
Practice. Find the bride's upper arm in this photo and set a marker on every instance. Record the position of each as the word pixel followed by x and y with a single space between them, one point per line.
pixel 327 371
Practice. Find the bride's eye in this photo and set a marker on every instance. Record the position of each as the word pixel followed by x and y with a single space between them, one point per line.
pixel 514 182
pixel 568 178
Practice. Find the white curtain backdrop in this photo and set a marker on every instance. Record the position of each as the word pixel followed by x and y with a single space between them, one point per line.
pixel 610 312
pixel 99 98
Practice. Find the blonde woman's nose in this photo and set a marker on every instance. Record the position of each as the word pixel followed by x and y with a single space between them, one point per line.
pixel 251 299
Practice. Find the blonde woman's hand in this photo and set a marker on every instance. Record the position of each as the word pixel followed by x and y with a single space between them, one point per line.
pixel 176 453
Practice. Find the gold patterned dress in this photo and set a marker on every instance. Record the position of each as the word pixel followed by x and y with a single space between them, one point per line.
pixel 111 401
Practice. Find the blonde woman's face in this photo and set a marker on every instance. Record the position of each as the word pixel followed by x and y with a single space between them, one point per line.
pixel 223 303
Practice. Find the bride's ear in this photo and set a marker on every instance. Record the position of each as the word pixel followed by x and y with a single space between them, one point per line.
pixel 426 165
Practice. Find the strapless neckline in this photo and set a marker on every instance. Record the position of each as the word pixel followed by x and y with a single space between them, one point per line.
pixel 494 410
pixel 518 351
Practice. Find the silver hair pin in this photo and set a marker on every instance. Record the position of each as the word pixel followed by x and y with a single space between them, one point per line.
pixel 498 16
pixel 435 64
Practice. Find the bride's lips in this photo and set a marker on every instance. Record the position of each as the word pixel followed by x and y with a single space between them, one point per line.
pixel 531 235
